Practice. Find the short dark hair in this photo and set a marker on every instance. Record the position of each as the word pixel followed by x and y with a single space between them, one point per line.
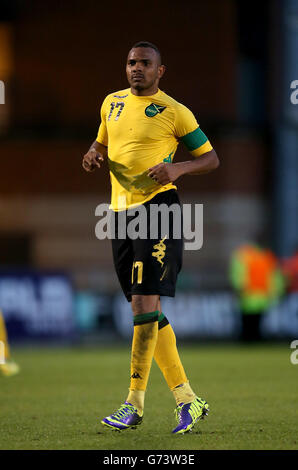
pixel 147 44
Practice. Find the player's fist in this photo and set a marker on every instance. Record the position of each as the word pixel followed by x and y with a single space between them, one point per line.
pixel 164 173
pixel 91 160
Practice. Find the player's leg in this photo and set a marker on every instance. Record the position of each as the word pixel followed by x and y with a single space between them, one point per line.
pixel 190 408
pixel 167 358
pixel 126 416
pixel 144 340
pixel 143 346
pixel 8 367
pixel 145 312
pixel 157 264
pixel 3 338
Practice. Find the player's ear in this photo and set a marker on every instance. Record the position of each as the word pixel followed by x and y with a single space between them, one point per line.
pixel 161 70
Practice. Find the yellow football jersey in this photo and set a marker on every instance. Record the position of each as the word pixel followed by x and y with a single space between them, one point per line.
pixel 141 132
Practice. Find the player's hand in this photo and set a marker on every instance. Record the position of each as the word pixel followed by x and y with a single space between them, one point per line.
pixel 164 173
pixel 91 160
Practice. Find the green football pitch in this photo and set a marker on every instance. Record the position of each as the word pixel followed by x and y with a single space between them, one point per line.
pixel 57 399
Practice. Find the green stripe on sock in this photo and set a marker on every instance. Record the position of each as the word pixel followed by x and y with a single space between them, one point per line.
pixel 194 139
pixel 162 321
pixel 161 317
pixel 146 318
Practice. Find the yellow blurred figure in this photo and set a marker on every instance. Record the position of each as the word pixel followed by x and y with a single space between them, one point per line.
pixel 7 366
pixel 256 276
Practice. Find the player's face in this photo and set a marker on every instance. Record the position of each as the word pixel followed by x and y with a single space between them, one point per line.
pixel 143 68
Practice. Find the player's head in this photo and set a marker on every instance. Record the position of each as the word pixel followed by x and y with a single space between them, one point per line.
pixel 144 68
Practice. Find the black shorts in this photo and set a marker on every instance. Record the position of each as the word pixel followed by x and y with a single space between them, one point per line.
pixel 150 266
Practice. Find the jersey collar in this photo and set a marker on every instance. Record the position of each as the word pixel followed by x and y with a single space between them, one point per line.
pixel 156 95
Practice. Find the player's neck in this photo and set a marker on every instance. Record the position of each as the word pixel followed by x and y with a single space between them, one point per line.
pixel 148 92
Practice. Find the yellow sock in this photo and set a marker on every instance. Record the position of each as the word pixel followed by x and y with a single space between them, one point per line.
pixel 137 398
pixel 166 355
pixel 143 346
pixel 3 337
pixel 183 393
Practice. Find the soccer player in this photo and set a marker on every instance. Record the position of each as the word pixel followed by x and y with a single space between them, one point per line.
pixel 140 129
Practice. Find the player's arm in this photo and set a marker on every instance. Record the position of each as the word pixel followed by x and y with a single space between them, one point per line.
pixel 205 160
pixel 187 130
pixel 205 157
pixel 99 149
pixel 165 173
pixel 94 156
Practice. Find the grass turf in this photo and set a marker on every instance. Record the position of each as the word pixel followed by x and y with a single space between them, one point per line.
pixel 57 399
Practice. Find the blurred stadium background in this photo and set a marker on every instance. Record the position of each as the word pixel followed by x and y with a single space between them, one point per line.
pixel 233 67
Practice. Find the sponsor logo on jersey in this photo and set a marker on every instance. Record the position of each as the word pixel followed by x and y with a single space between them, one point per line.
pixel 154 109
pixel 120 96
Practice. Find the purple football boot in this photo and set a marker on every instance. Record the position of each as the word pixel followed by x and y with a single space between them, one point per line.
pixel 125 417
pixel 188 414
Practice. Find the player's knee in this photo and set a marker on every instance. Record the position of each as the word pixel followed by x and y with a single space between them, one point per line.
pixel 144 303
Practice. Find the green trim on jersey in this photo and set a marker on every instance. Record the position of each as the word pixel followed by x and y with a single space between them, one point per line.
pixel 194 139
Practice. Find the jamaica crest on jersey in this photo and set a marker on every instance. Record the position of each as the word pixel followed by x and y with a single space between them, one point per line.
pixel 154 109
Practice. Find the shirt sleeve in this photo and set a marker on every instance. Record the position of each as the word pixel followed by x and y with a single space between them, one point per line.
pixel 188 131
pixel 102 135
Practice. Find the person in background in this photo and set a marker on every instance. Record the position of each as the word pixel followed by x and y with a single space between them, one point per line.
pixel 256 276
pixel 8 367
pixel 290 270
